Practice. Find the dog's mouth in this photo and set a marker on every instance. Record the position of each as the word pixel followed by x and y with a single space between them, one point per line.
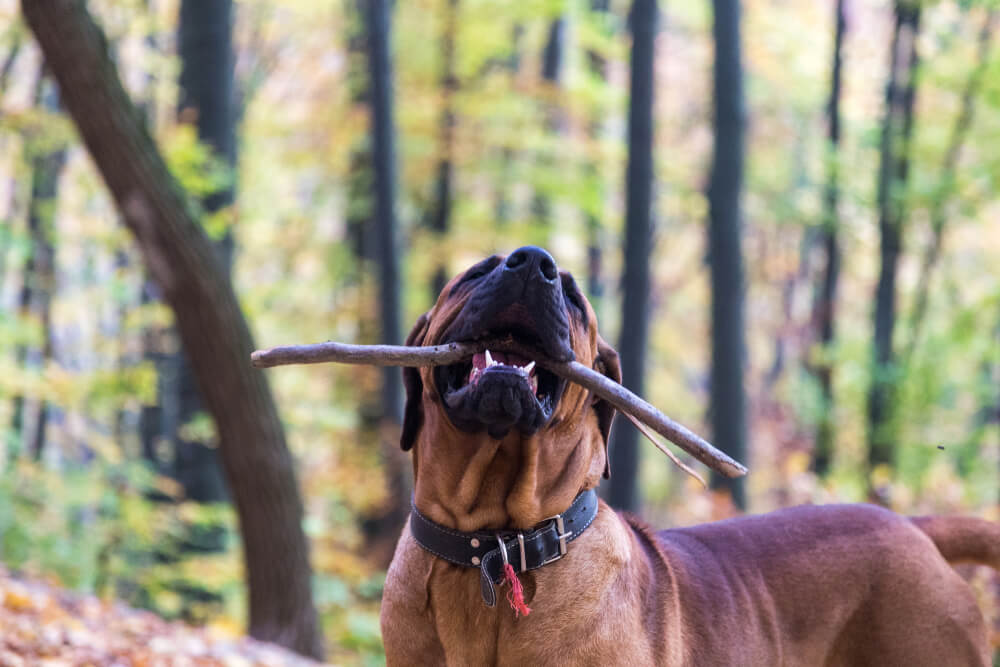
pixel 500 388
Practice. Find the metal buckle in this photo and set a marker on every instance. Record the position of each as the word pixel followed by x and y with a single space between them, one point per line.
pixel 503 548
pixel 562 534
pixel 520 543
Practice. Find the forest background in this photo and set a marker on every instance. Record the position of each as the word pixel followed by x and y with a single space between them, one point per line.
pixel 817 255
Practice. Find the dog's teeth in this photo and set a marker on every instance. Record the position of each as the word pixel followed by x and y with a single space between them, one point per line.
pixel 527 368
pixel 489 359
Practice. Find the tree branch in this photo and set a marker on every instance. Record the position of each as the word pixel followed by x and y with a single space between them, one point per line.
pixel 438 355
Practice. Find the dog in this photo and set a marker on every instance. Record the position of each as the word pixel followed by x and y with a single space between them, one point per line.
pixel 505 459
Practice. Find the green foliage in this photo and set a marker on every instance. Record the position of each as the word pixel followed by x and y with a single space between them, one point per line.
pixel 200 173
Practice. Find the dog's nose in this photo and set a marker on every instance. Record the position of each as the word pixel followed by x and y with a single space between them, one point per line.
pixel 532 262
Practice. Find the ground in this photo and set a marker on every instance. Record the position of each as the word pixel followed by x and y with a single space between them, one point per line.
pixel 45 626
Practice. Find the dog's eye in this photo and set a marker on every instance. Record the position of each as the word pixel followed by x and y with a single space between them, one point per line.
pixel 479 270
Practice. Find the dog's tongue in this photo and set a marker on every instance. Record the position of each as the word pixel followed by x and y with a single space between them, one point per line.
pixel 510 359
pixel 479 361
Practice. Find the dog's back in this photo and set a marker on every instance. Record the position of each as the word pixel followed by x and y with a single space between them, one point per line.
pixel 829 585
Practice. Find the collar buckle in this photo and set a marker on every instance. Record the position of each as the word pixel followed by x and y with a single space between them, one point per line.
pixel 520 544
pixel 562 534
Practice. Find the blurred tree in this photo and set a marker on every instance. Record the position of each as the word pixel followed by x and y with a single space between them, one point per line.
pixel 597 67
pixel 728 401
pixel 9 60
pixel 503 205
pixel 195 285
pixel 358 215
pixel 384 172
pixel 440 218
pixel 47 158
pixel 553 56
pixel 893 174
pixel 623 492
pixel 825 294
pixel 204 40
pixel 385 525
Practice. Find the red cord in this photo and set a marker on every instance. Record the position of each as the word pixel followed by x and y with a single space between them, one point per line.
pixel 515 596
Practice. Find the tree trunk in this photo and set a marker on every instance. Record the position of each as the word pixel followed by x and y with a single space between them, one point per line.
pixel 598 67
pixel 206 99
pixel 384 164
pixel 623 492
pixel 503 204
pixel 197 288
pixel 728 399
pixel 443 190
pixel 825 298
pixel 385 526
pixel 892 178
pixel 552 66
pixel 358 216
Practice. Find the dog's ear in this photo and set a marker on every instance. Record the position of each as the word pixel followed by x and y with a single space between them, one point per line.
pixel 609 365
pixel 413 413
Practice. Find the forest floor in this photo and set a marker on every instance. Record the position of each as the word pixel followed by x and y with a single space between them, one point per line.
pixel 47 626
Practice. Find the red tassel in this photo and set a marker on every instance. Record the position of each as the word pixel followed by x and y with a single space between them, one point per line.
pixel 515 596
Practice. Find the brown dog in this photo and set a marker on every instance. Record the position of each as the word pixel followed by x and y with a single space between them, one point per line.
pixel 500 447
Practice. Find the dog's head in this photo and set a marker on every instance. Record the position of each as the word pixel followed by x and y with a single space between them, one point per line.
pixel 523 302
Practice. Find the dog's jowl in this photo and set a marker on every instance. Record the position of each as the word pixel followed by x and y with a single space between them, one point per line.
pixel 510 559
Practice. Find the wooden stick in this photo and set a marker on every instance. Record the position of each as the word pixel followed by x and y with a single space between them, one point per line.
pixel 630 404
pixel 450 353
pixel 374 355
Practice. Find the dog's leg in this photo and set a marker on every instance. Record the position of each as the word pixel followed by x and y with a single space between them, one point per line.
pixel 408 631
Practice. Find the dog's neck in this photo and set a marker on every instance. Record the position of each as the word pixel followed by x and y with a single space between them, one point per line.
pixel 475 482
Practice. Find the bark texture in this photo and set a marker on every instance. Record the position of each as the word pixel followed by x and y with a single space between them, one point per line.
pixel 195 285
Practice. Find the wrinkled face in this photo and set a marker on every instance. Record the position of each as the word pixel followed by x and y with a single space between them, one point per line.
pixel 524 309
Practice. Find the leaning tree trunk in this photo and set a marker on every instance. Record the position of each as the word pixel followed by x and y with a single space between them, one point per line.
pixel 728 400
pixel 623 492
pixel 195 285
pixel 894 167
pixel 825 299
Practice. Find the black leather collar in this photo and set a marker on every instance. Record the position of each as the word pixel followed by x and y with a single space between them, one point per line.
pixel 524 550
